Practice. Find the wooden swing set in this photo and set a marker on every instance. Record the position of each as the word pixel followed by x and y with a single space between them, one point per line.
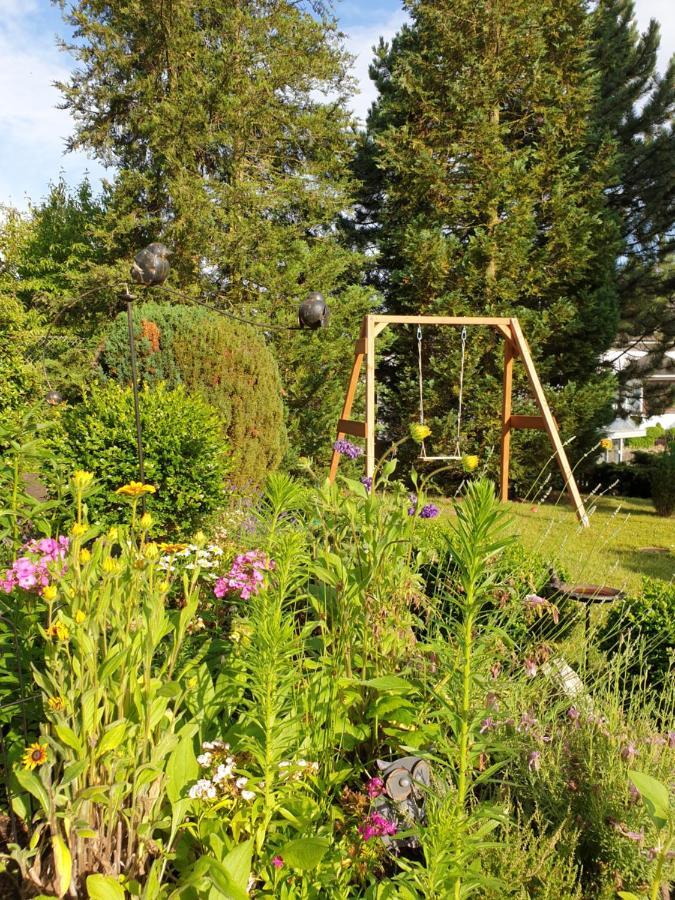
pixel 515 346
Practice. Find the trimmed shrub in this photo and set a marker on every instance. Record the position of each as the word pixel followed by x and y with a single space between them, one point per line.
pixel 186 457
pixel 663 481
pixel 648 621
pixel 221 359
pixel 624 479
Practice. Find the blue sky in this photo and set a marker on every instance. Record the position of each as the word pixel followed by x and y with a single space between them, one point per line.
pixel 34 130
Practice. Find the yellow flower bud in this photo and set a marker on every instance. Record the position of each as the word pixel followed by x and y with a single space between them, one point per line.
pixel 418 432
pixel 163 587
pixel 110 565
pixel 82 480
pixel 200 539
pixel 57 703
pixel 50 593
pixel 85 555
pixel 151 550
pixel 470 463
pixel 80 617
pixel 78 529
pixel 146 521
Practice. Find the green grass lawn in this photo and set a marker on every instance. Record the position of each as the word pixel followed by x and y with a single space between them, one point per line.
pixel 613 551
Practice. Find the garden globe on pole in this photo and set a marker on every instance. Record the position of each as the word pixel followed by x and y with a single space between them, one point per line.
pixel 313 312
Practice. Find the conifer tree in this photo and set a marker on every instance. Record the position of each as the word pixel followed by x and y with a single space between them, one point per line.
pixel 635 108
pixel 226 124
pixel 487 200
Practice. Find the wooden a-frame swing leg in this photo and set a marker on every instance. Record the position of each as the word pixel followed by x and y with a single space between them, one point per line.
pixel 344 423
pixel 549 422
pixel 505 448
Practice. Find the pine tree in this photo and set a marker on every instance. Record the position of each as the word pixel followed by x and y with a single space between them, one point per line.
pixel 226 124
pixel 635 108
pixel 489 201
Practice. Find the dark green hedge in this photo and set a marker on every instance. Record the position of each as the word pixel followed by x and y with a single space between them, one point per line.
pixel 225 361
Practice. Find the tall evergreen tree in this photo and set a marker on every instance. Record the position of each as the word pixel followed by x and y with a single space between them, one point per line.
pixel 487 199
pixel 226 123
pixel 635 108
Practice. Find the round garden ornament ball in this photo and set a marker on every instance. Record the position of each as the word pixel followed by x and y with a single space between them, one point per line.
pixel 151 265
pixel 313 312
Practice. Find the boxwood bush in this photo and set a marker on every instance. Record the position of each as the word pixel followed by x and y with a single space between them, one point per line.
pixel 225 361
pixel 186 456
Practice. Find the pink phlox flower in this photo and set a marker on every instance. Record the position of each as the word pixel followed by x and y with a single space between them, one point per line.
pixel 246 575
pixel 375 787
pixel 277 862
pixel 376 825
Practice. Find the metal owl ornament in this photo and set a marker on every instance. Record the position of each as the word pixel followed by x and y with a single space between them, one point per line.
pixel 151 265
pixel 406 781
pixel 313 312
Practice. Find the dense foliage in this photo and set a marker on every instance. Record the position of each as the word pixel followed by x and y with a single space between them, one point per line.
pixel 634 108
pixel 487 199
pixel 224 361
pixel 663 480
pixel 186 454
pixel 238 153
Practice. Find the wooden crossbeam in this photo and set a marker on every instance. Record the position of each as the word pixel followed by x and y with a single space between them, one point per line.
pixel 535 422
pixel 347 426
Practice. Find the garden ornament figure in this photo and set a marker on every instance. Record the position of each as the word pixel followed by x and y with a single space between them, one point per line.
pixel 53 398
pixel 405 783
pixel 313 312
pixel 151 265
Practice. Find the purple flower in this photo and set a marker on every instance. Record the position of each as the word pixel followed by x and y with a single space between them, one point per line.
pixel 367 482
pixel 375 787
pixel 430 511
pixel 527 722
pixel 532 601
pixel 534 761
pixel 636 836
pixel 491 700
pixel 629 752
pixel 277 862
pixel 633 792
pixel 43 559
pixel 351 451
pixel 530 667
pixel 574 715
pixel 377 825
pixel 488 724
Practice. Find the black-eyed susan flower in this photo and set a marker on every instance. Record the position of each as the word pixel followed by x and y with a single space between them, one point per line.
pixel 58 704
pixel 34 755
pixel 136 489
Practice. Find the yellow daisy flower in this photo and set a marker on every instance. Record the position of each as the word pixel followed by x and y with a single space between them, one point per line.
pixel 136 489
pixel 470 463
pixel 34 755
pixel 419 432
pixel 57 703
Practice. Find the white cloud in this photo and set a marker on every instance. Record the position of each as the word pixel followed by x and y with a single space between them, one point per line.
pixel 360 42
pixel 664 13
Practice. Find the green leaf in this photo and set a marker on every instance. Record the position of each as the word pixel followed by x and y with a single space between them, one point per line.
pixel 182 767
pixel 68 737
pixel 655 796
pixel 104 887
pixel 237 864
pixel 389 683
pixel 304 853
pixel 112 738
pixel 626 895
pixel 63 864
pixel 31 783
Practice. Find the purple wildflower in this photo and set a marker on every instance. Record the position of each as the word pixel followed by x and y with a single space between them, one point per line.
pixel 574 715
pixel 346 448
pixel 375 787
pixel 33 571
pixel 367 482
pixel 527 722
pixel 430 511
pixel 534 761
pixel 488 724
pixel 629 752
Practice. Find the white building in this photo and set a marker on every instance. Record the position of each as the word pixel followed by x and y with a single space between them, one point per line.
pixel 635 419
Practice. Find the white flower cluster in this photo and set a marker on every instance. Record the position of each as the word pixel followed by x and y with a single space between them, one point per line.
pixel 224 781
pixel 192 557
pixel 297 769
